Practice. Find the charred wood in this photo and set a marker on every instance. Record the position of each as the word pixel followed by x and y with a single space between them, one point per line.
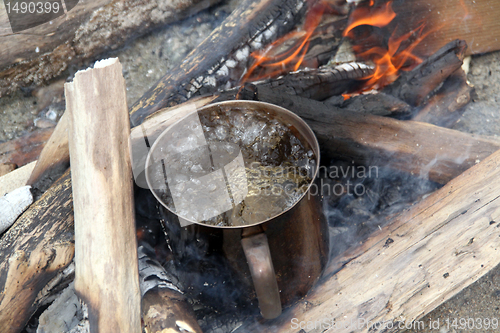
pixel 213 63
pixel 379 104
pixel 164 306
pixel 415 86
pixel 33 251
pixel 448 104
pixel 320 83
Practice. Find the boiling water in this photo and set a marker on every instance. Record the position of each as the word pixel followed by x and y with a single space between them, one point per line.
pixel 231 167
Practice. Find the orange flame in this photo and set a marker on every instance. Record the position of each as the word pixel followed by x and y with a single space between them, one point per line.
pixel 389 59
pixel 267 65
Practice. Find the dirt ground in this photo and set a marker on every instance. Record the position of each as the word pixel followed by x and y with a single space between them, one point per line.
pixel 145 60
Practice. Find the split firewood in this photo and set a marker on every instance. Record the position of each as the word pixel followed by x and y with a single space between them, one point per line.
pixel 409 267
pixel 103 198
pixel 223 55
pixel 14 204
pixel 33 251
pixel 90 28
pixel 25 149
pixel 54 157
pixel 414 86
pixel 447 105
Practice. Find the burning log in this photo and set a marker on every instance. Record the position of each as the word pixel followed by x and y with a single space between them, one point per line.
pixel 106 272
pixel 25 149
pixel 321 83
pixel 414 86
pixel 208 66
pixel 87 30
pixel 409 267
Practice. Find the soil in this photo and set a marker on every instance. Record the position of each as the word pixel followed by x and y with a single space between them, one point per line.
pixel 148 58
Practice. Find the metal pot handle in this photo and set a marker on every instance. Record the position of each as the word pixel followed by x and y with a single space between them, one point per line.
pixel 258 256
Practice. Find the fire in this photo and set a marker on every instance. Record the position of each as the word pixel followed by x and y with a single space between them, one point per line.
pixel 271 62
pixel 389 57
pixel 392 57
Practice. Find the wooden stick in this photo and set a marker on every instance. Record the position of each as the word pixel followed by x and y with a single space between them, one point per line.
pixel 423 258
pixel 33 251
pixel 106 271
pixel 55 153
pixel 90 28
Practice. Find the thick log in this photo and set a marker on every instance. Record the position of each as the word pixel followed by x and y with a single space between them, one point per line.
pixel 447 105
pixel 33 251
pixel 90 28
pixel 414 86
pixel 25 149
pixel 422 258
pixel 106 269
pixel 215 61
pixel 425 150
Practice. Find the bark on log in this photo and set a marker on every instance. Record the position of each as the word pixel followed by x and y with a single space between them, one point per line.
pixel 414 86
pixel 32 252
pixel 41 53
pixel 212 64
pixel 408 268
pixel 106 271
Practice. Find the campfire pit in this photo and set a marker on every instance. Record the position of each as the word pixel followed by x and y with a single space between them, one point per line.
pixel 379 235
